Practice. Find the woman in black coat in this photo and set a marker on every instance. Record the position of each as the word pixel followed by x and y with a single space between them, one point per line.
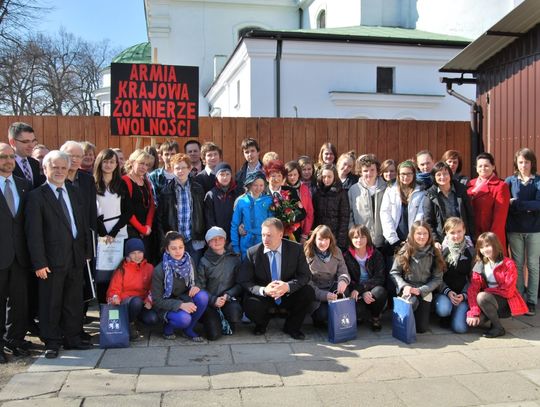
pixel 331 204
pixel 447 198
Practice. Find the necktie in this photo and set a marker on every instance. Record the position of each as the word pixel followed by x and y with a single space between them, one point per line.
pixel 274 271
pixel 63 204
pixel 8 195
pixel 26 170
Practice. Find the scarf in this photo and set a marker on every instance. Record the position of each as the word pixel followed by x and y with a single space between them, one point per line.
pixel 176 268
pixel 455 249
pixel 324 256
pixel 480 182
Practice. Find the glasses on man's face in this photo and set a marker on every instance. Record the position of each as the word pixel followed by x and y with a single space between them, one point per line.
pixel 34 141
pixel 6 156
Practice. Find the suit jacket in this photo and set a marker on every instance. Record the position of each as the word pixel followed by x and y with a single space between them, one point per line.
pixel 12 236
pixel 87 188
pixel 50 238
pixel 255 271
pixel 36 173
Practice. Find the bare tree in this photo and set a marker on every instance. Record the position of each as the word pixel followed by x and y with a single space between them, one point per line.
pixel 17 17
pixel 51 75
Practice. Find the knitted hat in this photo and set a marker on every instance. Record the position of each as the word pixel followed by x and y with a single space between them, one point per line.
pixel 132 245
pixel 252 177
pixel 222 166
pixel 214 231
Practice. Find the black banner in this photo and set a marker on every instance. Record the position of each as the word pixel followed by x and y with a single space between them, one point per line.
pixel 154 100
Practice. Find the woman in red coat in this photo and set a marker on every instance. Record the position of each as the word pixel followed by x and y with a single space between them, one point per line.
pixel 492 293
pixel 490 198
pixel 131 284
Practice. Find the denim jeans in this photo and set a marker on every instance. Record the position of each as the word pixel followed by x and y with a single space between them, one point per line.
pixel 526 246
pixel 457 314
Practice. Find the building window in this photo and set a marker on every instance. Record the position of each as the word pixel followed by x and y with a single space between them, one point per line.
pixel 245 30
pixel 321 19
pixel 385 80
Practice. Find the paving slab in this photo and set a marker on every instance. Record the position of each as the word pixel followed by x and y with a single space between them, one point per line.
pixel 300 373
pixel 162 379
pixel 270 352
pixel 430 391
pixel 137 400
pixel 372 394
pixel 513 404
pixel 531 335
pixel 244 375
pixel 447 364
pixel 439 343
pixel 157 340
pixel 323 351
pixel 282 396
pixel 474 341
pixel 51 402
pixel 140 357
pixel 206 398
pixel 500 387
pixel 385 347
pixel 199 355
pixel 495 360
pixel 68 360
pixel 276 334
pixel 532 374
pixel 514 324
pixel 99 382
pixel 24 385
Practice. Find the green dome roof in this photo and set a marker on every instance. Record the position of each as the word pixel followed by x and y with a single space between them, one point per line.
pixel 139 53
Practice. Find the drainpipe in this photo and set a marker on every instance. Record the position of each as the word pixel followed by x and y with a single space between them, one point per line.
pixel 278 76
pixel 300 18
pixel 476 114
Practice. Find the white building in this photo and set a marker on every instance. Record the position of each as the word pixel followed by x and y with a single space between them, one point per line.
pixel 205 33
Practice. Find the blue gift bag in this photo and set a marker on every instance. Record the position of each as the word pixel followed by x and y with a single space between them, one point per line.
pixel 403 322
pixel 341 320
pixel 113 326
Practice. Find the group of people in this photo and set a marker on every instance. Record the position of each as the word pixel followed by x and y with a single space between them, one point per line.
pixel 204 244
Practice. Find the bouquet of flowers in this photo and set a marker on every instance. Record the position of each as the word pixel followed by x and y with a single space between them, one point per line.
pixel 287 210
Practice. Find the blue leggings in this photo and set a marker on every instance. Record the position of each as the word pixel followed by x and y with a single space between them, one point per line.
pixel 137 311
pixel 183 320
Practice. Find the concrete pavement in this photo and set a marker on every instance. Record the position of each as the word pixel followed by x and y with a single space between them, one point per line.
pixel 441 369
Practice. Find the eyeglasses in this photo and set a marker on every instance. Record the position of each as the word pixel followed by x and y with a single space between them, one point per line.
pixel 76 157
pixel 34 141
pixel 6 156
pixel 405 174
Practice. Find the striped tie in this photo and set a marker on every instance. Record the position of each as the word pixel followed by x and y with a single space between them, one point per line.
pixel 26 170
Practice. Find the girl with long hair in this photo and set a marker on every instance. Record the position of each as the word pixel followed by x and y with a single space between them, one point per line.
pixel 417 272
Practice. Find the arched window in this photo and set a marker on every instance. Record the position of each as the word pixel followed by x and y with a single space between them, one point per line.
pixel 245 30
pixel 321 19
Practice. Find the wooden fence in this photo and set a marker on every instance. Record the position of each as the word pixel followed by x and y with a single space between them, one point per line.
pixel 290 138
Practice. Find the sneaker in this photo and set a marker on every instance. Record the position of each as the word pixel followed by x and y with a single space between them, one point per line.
pixel 169 337
pixel 532 309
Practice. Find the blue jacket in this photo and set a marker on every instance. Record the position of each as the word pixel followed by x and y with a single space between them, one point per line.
pixel 524 212
pixel 251 213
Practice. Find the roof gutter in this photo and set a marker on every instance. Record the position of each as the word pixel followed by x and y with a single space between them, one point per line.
pixel 475 110
pixel 279 49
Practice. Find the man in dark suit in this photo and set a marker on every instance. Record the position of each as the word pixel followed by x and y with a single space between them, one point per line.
pixel 14 263
pixel 275 274
pixel 59 244
pixel 22 140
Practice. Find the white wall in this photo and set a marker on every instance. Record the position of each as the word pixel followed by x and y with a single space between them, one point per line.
pixel 339 80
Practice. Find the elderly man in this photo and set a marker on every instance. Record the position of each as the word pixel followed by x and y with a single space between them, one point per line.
pixel 22 140
pixel 14 264
pixel 59 243
pixel 275 274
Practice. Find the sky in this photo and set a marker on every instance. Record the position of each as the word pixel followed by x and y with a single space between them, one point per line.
pixel 120 21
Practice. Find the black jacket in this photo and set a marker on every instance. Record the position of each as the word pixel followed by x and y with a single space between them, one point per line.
pixel 167 211
pixel 205 180
pixel 241 175
pixel 36 173
pixel 87 188
pixel 434 212
pixel 374 267
pixel 13 237
pixel 218 207
pixel 331 208
pixel 50 238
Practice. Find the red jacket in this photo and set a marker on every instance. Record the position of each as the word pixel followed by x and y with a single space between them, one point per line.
pixel 307 203
pixel 132 280
pixel 506 277
pixel 490 206
pixel 151 210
